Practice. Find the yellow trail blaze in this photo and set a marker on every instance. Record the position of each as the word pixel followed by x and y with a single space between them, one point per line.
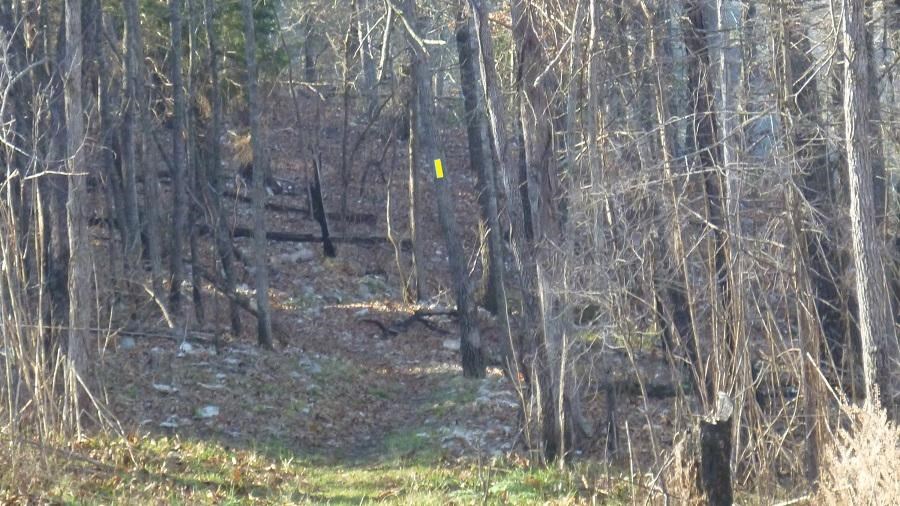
pixel 439 169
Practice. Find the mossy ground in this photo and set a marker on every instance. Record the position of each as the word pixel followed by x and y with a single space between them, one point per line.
pixel 170 470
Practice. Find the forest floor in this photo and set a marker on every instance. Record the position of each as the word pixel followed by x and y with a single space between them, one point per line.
pixel 358 403
pixel 341 412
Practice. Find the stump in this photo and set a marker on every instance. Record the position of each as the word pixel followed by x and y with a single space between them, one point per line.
pixel 715 454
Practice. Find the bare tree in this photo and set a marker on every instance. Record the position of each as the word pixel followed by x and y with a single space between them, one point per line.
pixel 179 182
pixel 260 170
pixel 224 247
pixel 877 336
pixel 483 164
pixel 137 95
pixel 80 263
pixel 471 349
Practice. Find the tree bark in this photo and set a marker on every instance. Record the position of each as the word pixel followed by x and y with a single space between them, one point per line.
pixel 261 164
pixel 179 190
pixel 709 152
pixel 131 134
pixel 482 162
pixel 818 307
pixel 418 287
pixel 366 56
pixel 715 455
pixel 471 349
pixel 151 179
pixel 877 335
pixel 80 297
pixel 506 173
pixel 214 179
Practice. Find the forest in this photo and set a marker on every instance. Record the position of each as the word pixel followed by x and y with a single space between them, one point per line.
pixel 449 252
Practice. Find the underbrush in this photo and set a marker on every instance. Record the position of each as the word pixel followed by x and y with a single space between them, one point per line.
pixel 862 465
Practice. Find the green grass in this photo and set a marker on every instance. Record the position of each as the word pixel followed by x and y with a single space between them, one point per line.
pixel 454 391
pixel 167 470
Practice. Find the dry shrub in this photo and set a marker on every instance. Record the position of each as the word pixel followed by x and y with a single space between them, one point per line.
pixel 240 148
pixel 682 473
pixel 862 466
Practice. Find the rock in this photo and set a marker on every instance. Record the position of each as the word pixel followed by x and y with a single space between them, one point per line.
pixel 304 254
pixel 165 389
pixel 185 348
pixel 127 343
pixel 299 255
pixel 333 298
pixel 374 283
pixel 170 423
pixel 208 411
pixel 311 366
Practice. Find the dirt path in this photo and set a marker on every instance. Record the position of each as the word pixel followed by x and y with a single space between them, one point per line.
pixel 338 390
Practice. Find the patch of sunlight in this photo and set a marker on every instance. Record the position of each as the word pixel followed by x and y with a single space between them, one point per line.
pixel 374 305
pixel 151 469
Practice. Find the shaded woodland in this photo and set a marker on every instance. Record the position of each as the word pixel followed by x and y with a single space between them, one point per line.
pixel 671 226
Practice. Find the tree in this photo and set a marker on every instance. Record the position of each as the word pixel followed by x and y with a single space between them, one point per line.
pixel 80 264
pixel 483 165
pixel 471 349
pixel 137 100
pixel 214 184
pixel 877 335
pixel 261 170
pixel 179 181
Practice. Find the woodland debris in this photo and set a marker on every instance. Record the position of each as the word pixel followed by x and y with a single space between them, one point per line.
pixel 403 325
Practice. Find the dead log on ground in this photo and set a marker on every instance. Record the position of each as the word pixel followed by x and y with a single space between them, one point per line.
pixel 359 218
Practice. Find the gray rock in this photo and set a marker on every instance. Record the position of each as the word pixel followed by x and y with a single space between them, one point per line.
pixel 209 411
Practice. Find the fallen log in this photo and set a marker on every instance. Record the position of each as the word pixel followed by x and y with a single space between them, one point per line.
pixel 296 237
pixel 360 218
pixel 400 326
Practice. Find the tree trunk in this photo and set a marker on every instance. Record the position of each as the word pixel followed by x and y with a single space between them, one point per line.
pixel 818 308
pixel 471 349
pixel 516 361
pixel 385 62
pixel 111 145
pixel 676 303
pixel 715 454
pixel 131 134
pixel 318 208
pixel 151 179
pixel 877 337
pixel 309 52
pixel 418 287
pixel 179 190
pixel 58 186
pixel 80 297
pixel 224 247
pixel 536 110
pixel 18 94
pixel 366 56
pixel 195 176
pixel 482 162
pixel 261 164
pixel 706 145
